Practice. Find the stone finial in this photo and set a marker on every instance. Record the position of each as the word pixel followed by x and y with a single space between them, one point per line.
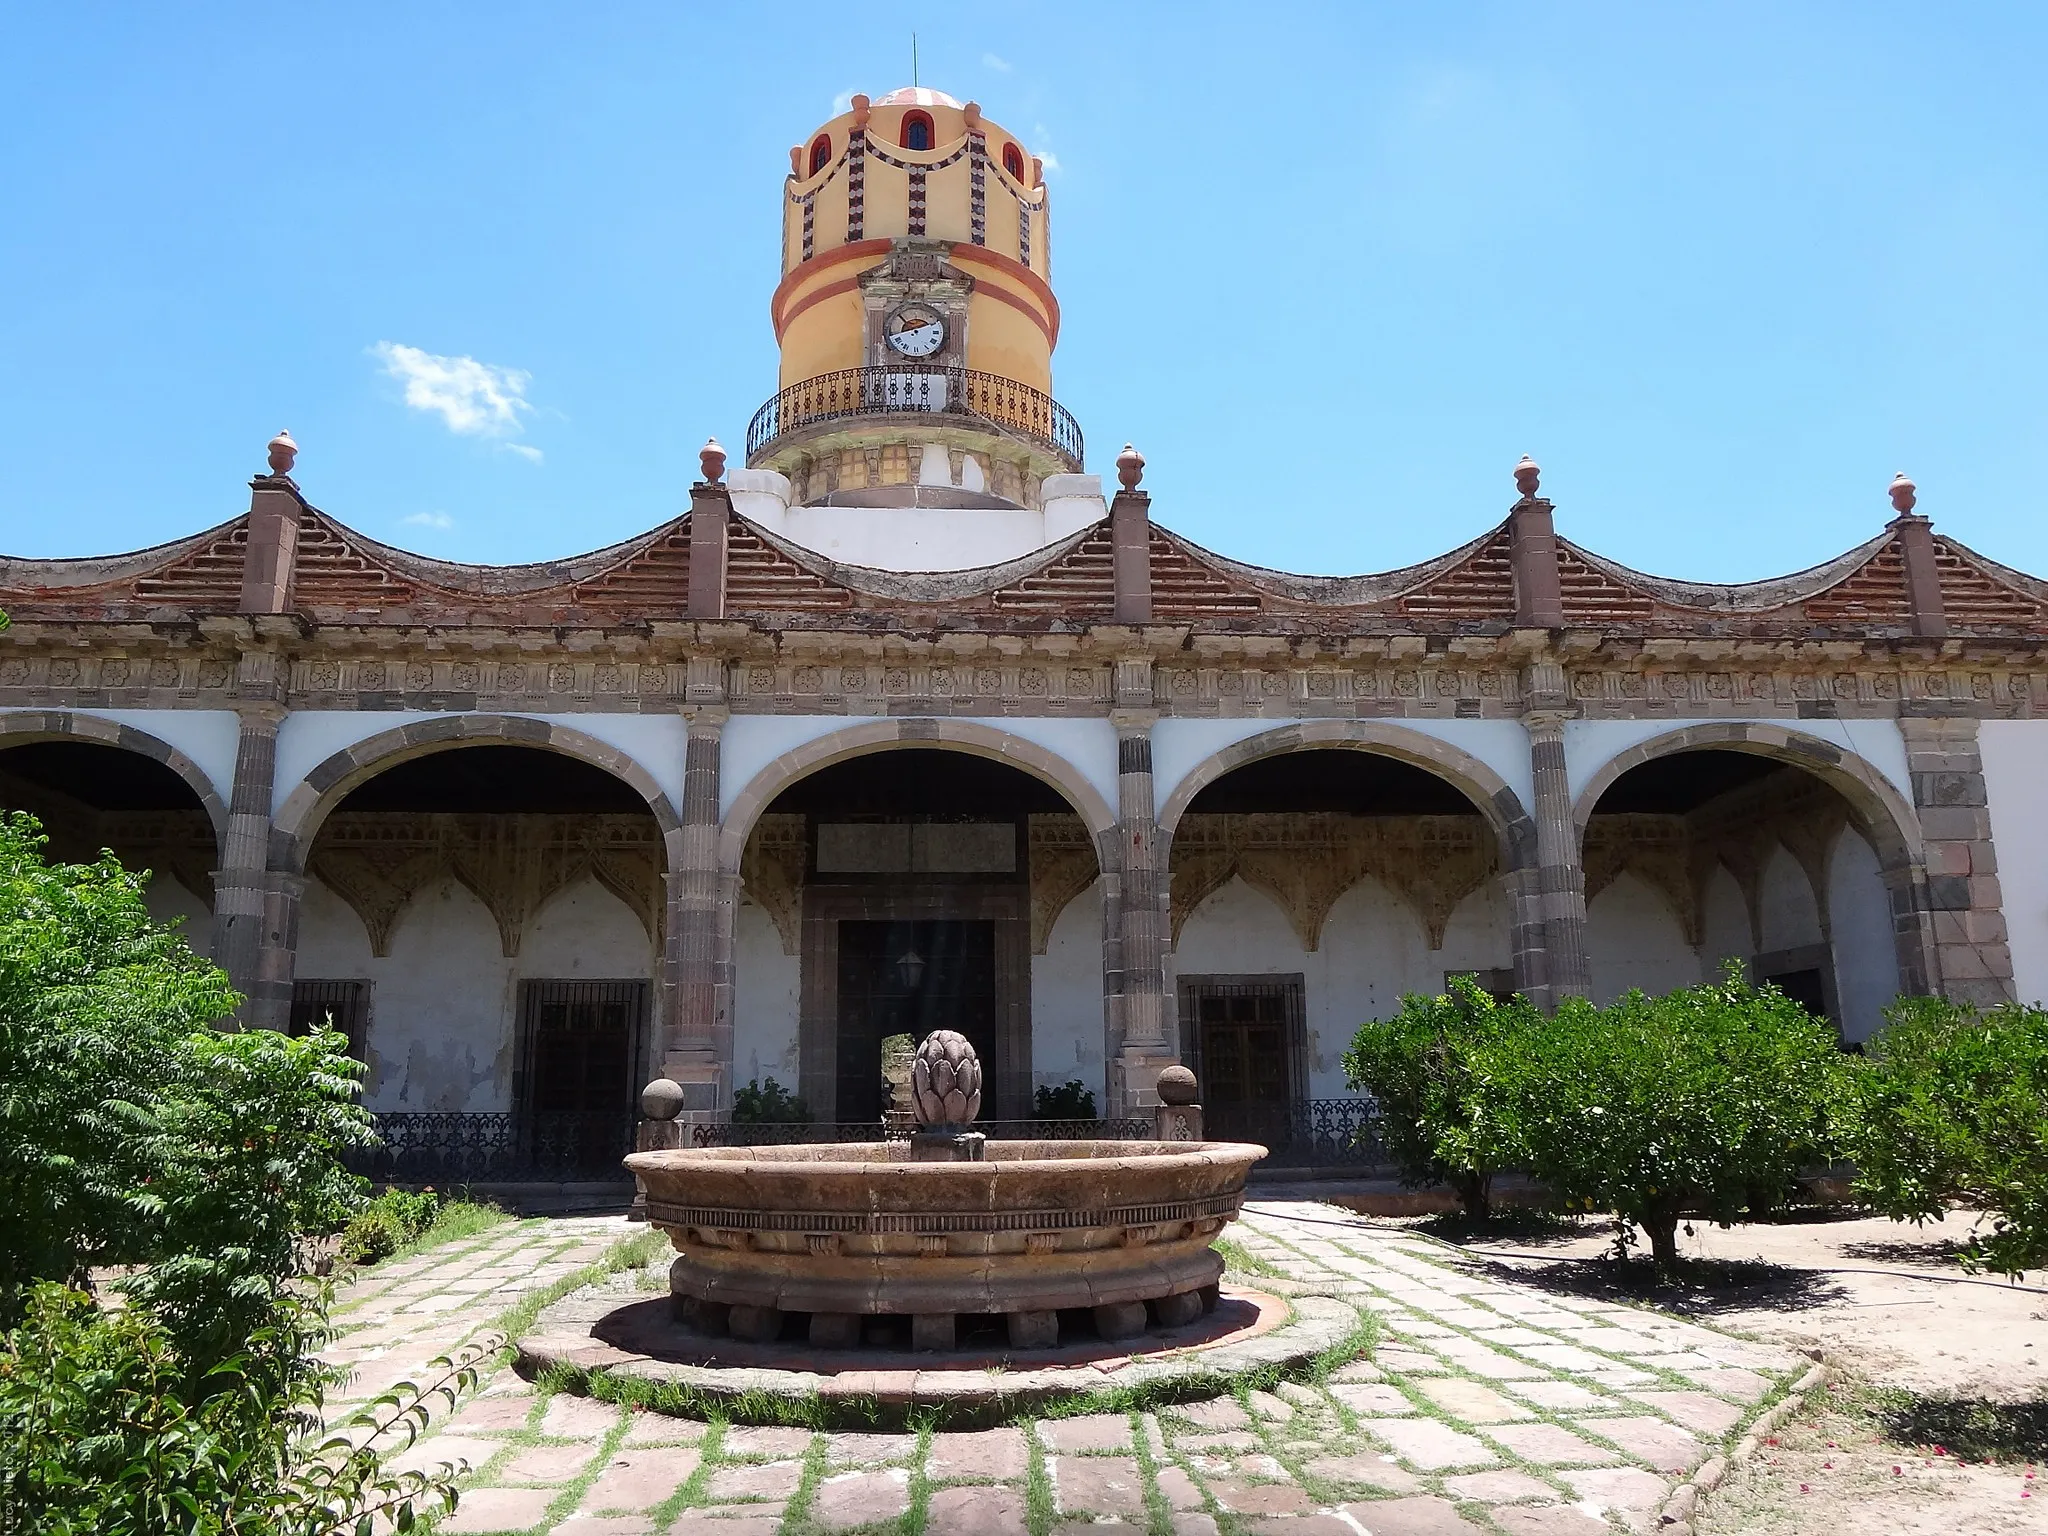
pixel 1130 468
pixel 945 1080
pixel 712 458
pixel 662 1099
pixel 1902 493
pixel 971 113
pixel 1528 475
pixel 283 453
pixel 796 161
pixel 860 110
pixel 1177 1086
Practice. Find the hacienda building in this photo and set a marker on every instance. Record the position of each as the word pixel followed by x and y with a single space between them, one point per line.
pixel 913 721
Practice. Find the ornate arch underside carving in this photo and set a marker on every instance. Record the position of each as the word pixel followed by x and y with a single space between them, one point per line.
pixel 1306 861
pixel 1677 854
pixel 379 861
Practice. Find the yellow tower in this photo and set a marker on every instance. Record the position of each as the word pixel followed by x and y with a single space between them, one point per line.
pixel 915 314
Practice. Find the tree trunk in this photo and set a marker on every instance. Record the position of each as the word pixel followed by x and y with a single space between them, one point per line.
pixel 1475 1194
pixel 1662 1226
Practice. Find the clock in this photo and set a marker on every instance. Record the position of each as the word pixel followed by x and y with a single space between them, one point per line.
pixel 914 330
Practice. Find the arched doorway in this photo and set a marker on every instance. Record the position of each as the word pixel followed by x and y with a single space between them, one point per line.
pixel 90 796
pixel 907 888
pixel 1697 854
pixel 1310 890
pixel 485 921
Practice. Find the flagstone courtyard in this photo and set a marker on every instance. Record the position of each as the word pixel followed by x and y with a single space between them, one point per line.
pixel 1488 1405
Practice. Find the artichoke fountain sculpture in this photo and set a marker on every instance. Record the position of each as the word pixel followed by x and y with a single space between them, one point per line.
pixel 942 1224
pixel 945 1080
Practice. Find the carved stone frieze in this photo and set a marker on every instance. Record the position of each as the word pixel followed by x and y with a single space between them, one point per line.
pixel 772 874
pixel 1307 860
pixel 378 861
pixel 1063 865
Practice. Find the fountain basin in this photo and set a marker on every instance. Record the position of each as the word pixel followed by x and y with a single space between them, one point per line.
pixel 846 1232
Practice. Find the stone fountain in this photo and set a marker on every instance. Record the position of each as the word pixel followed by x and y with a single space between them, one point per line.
pixel 937 1224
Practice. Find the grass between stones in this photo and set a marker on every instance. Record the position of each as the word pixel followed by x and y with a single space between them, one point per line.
pixel 1428 1408
pixel 633 1252
pixel 453 1223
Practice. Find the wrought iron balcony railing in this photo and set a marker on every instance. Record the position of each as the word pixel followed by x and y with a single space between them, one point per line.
pixel 919 389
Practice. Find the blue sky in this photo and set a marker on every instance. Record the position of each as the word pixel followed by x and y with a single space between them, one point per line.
pixel 1723 270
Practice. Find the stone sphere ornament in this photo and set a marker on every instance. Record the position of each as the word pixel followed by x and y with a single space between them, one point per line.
pixel 662 1099
pixel 1177 1086
pixel 945 1080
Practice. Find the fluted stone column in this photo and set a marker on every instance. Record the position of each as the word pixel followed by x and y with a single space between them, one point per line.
pixel 1145 1048
pixel 699 926
pixel 1560 877
pixel 255 913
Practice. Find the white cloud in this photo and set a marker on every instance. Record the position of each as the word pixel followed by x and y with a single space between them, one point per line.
pixel 843 102
pixel 437 520
pixel 472 399
pixel 526 451
pixel 995 62
pixel 1045 155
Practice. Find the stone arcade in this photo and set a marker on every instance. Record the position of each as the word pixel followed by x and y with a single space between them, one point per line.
pixel 907 723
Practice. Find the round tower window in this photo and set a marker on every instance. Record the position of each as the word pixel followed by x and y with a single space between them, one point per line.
pixel 821 152
pixel 917 130
pixel 1013 161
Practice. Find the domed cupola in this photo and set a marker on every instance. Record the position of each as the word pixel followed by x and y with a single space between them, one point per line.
pixel 915 315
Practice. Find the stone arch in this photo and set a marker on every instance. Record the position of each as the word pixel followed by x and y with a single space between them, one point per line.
pixel 1876 807
pixel 299 819
pixel 879 736
pixel 1885 817
pixel 22 727
pixel 1491 796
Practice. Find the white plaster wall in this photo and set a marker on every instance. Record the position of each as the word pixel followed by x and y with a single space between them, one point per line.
pixel 167 901
pixel 1066 1000
pixel 1785 899
pixel 1866 954
pixel 2013 752
pixel 766 987
pixel 1635 941
pixel 1589 745
pixel 1478 937
pixel 585 933
pixel 308 737
pixel 1179 747
pixel 207 736
pixel 918 538
pixel 440 1008
pixel 750 743
pixel 1724 924
pixel 1373 951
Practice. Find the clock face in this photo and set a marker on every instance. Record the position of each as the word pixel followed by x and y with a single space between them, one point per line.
pixel 915 331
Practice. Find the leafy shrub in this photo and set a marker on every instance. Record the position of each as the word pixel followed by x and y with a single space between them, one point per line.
pixel 1438 1122
pixel 1070 1101
pixel 1706 1101
pixel 768 1103
pixel 1954 1105
pixel 100 1434
pixel 388 1223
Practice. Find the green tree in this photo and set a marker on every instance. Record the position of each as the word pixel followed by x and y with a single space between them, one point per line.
pixel 1439 1122
pixel 1707 1101
pixel 133 1133
pixel 1954 1106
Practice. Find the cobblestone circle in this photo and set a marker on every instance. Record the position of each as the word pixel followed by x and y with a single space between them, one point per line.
pixel 1489 1406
